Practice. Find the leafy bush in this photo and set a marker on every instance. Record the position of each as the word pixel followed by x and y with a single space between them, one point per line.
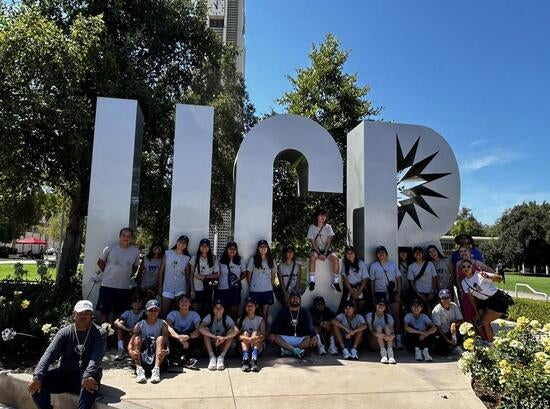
pixel 516 367
pixel 536 310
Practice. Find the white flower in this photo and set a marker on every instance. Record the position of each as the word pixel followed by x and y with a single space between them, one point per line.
pixel 516 344
pixel 465 327
pixel 46 328
pixel 8 334
pixel 107 327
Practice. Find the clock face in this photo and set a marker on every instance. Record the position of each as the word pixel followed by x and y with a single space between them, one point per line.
pixel 216 7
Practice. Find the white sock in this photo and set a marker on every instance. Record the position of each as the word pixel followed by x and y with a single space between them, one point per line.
pixel 332 341
pixel 319 342
pixel 336 278
pixel 120 345
pixel 222 355
pixel 311 277
pixel 211 355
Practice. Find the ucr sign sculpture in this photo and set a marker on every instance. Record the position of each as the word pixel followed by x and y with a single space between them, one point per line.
pixel 403 185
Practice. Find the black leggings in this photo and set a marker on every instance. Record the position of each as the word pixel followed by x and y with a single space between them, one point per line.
pixel 415 341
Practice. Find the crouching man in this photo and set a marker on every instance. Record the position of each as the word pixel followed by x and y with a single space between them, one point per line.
pixel 80 346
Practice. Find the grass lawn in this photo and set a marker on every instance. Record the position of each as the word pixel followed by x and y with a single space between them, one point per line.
pixel 7 270
pixel 538 283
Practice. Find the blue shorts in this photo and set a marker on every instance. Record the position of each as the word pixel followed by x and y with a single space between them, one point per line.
pixel 262 297
pixel 110 299
pixel 229 297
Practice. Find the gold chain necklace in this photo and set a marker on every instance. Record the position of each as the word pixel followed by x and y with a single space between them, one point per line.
pixel 79 349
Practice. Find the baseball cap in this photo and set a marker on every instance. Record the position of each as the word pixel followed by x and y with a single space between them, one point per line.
pixel 444 293
pixel 263 243
pixel 204 241
pixel 83 305
pixel 250 300
pixel 216 302
pixel 380 248
pixel 294 293
pixel 152 304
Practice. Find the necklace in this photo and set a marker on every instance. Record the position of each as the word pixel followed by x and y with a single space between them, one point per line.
pixel 294 320
pixel 79 349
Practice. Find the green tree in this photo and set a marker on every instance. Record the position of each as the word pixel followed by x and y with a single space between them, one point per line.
pixel 56 57
pixel 467 223
pixel 327 94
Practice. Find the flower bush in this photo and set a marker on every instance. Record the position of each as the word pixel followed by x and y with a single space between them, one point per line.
pixel 516 367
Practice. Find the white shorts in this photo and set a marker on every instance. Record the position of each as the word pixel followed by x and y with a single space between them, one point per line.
pixel 293 341
pixel 171 294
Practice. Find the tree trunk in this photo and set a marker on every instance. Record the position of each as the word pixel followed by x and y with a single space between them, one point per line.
pixel 70 254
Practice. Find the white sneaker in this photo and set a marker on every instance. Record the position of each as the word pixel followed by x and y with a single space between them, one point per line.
pixel 332 349
pixel 220 365
pixel 155 375
pixel 417 354
pixel 345 353
pixel 322 350
pixel 212 364
pixel 354 354
pixel 391 358
pixel 383 355
pixel 426 355
pixel 140 375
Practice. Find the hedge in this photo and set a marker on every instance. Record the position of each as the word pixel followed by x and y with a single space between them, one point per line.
pixel 532 309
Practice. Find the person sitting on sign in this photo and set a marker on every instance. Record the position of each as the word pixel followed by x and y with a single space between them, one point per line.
pixel 349 328
pixel 322 317
pixel 447 318
pixel 252 336
pixel 125 326
pixel 218 331
pixel 320 235
pixel 80 347
pixel 292 329
pixel 183 327
pixel 381 327
pixel 149 344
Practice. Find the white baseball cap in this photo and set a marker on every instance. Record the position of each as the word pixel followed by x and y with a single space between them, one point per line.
pixel 83 305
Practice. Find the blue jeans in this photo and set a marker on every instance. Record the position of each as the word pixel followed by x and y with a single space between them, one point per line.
pixel 60 380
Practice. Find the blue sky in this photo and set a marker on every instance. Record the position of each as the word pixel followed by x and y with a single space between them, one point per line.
pixel 477 72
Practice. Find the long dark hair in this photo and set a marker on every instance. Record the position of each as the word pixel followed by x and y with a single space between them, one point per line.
pixel 225 259
pixel 318 213
pixel 348 264
pixel 431 246
pixel 155 244
pixel 258 257
pixel 209 254
pixel 186 240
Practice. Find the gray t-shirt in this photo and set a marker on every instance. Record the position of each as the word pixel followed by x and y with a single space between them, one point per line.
pixel 355 276
pixel 130 318
pixel 217 327
pixel 175 274
pixel 203 269
pixel 249 325
pixel 350 323
pixel 443 273
pixel 148 330
pixel 321 239
pixel 285 271
pixel 261 277
pixel 443 318
pixel 151 268
pixel 422 323
pixel 379 321
pixel 378 276
pixel 119 265
pixel 424 283
pixel 237 269
pixel 183 323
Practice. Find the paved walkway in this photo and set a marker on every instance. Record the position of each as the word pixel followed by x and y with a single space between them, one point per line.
pixel 288 383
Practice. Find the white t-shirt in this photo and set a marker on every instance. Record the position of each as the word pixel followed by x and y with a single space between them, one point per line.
pixel 355 276
pixel 379 321
pixel 480 287
pixel 443 318
pixel 175 275
pixel 203 269
pixel 151 268
pixel 285 271
pixel 184 323
pixel 237 269
pixel 377 275
pixel 261 277
pixel 321 239
pixel 119 265
pixel 249 325
pixel 352 323
pixel 217 327
pixel 424 283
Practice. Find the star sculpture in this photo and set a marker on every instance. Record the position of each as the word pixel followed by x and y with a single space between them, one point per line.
pixel 411 184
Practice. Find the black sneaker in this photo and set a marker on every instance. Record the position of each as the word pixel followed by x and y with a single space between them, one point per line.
pixel 245 366
pixel 311 285
pixel 254 366
pixel 191 363
pixel 337 287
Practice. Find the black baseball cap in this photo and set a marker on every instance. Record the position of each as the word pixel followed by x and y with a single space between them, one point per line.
pixel 380 248
pixel 263 243
pixel 250 300
pixel 216 302
pixel 294 293
pixel 204 241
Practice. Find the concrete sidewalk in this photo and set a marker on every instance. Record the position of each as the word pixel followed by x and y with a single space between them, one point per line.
pixel 289 383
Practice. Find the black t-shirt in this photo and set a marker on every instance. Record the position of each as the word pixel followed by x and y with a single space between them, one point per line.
pixel 318 316
pixel 282 324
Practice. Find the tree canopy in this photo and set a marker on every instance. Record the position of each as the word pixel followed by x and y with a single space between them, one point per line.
pixel 467 223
